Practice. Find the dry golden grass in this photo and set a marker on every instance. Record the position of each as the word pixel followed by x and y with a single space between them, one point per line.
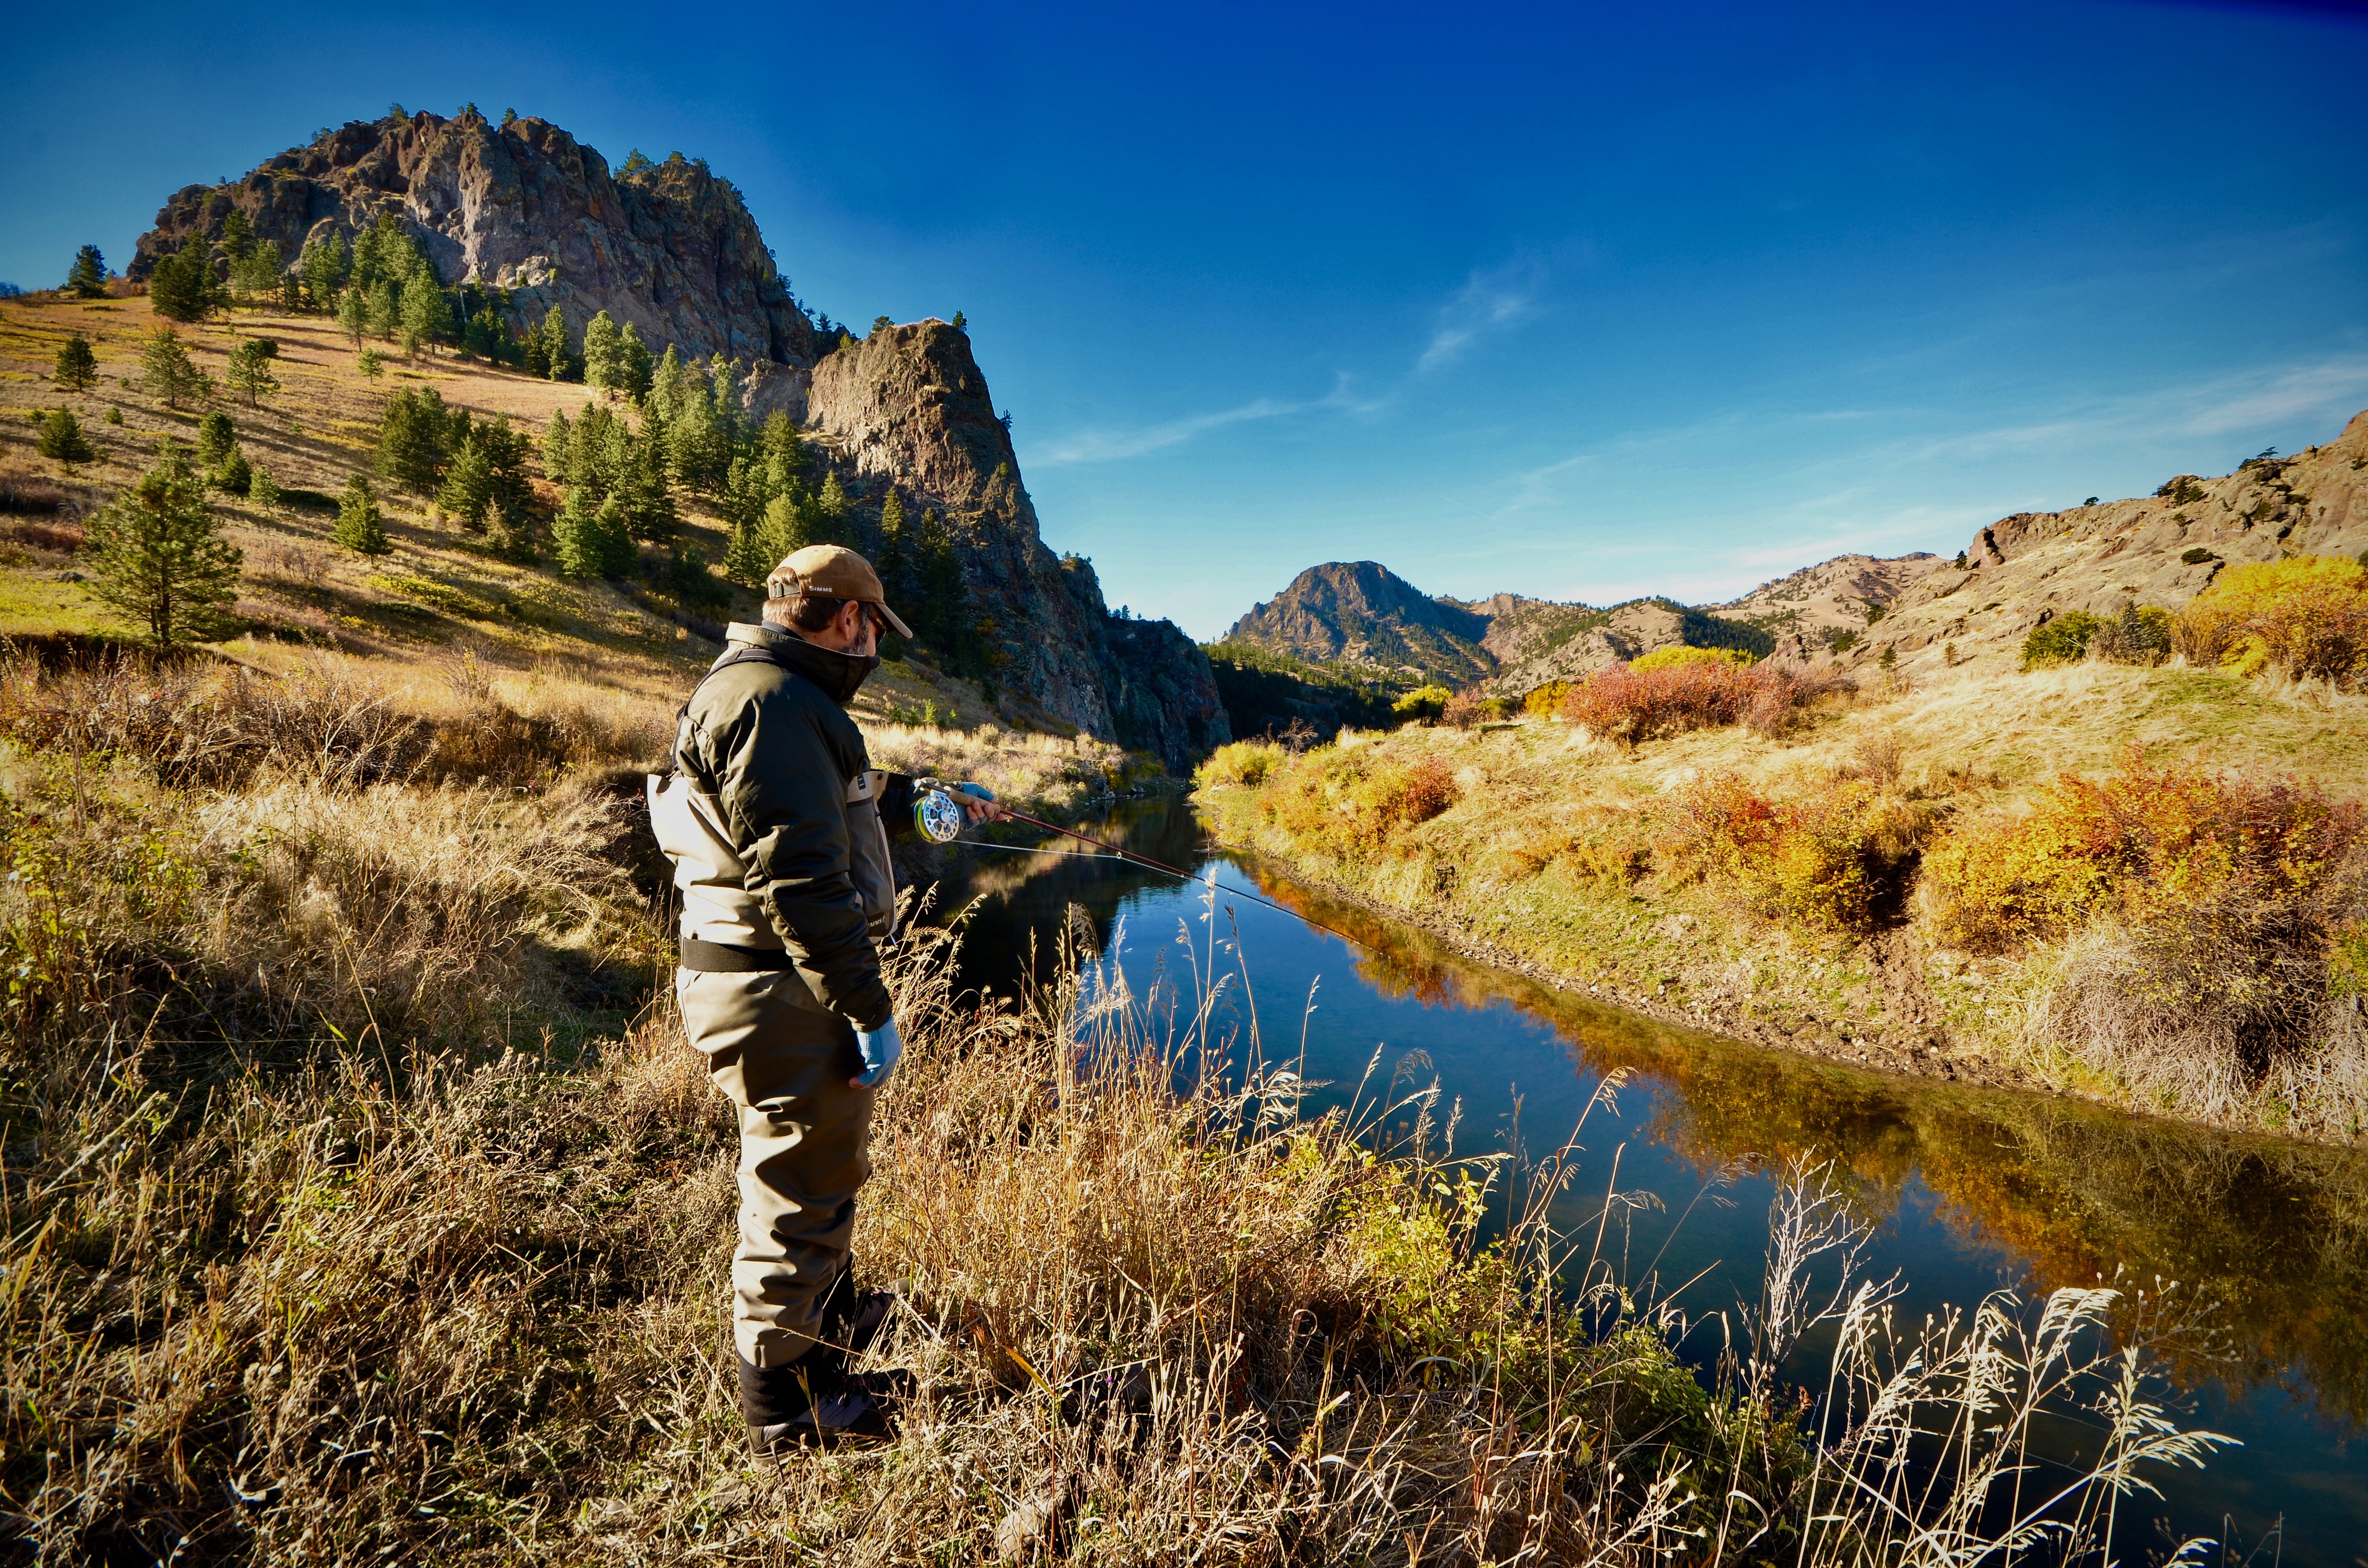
pixel 363 1202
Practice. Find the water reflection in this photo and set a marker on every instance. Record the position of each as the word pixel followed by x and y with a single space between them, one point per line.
pixel 1972 1187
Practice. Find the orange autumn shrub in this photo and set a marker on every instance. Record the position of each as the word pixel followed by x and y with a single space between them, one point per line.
pixel 2147 844
pixel 1643 701
pixel 1821 859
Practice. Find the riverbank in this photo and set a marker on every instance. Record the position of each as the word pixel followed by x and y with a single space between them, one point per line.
pixel 363 1202
pixel 1774 887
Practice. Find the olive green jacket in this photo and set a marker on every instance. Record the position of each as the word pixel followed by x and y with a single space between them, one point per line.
pixel 774 819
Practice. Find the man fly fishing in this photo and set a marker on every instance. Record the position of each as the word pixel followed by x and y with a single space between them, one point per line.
pixel 778 827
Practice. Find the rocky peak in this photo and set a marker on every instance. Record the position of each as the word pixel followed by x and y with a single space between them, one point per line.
pixel 525 207
pixel 1362 612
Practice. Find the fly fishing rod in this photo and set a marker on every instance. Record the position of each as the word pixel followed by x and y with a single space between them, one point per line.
pixel 937 813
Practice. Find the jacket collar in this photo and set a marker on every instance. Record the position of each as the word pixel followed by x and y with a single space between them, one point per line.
pixel 838 674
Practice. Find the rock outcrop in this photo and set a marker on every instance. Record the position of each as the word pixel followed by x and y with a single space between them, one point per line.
pixel 671 248
pixel 2162 549
pixel 907 405
pixel 525 207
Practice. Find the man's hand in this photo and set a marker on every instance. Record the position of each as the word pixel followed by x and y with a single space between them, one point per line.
pixel 977 801
pixel 880 1049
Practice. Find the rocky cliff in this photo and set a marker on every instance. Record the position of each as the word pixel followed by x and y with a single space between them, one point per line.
pixel 524 206
pixel 671 248
pixel 2023 570
pixel 909 406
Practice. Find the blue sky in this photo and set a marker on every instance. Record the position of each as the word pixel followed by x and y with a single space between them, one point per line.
pixel 1576 303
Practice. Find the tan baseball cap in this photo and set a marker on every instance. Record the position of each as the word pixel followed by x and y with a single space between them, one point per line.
pixel 832 571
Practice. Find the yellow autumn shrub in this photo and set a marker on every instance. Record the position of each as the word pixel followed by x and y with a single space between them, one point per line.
pixel 2307 615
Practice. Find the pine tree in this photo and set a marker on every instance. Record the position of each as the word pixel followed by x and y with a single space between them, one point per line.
pixel 895 562
pixel 157 556
pixel 353 313
pixel 256 274
pixel 509 533
pixel 250 369
pixel 326 265
pixel 369 363
pixel 264 490
pixel 830 508
pixel 556 353
pixel 237 236
pixel 77 367
pixel 944 620
pixel 666 384
pixel 426 318
pixel 60 438
pixel 780 440
pixel 468 485
pixel 86 278
pixel 414 439
pixel 182 287
pixel 382 311
pixel 167 371
pixel 587 542
pixel 603 352
pixel 724 404
pixel 359 526
pixel 634 364
pixel 557 444
pixel 233 474
pixel 789 526
pixel 217 437
pixel 693 444
pixel 744 555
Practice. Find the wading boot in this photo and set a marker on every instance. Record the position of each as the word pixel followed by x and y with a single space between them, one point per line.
pixel 853 1407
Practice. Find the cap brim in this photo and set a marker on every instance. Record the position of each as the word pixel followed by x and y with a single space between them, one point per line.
pixel 890 615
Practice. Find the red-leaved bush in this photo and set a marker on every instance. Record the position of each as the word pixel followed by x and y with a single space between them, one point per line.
pixel 1629 705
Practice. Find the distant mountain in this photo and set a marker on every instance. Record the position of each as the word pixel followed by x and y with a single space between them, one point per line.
pixel 1808 609
pixel 1360 613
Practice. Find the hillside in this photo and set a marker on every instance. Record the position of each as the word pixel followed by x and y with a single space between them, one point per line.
pixel 2160 550
pixel 520 219
pixel 1811 609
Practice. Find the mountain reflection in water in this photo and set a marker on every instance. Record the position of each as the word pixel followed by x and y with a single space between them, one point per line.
pixel 1971 1187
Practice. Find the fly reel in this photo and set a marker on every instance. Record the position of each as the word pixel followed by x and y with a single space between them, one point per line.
pixel 936 814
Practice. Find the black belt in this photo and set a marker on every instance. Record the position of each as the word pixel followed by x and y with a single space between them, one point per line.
pixel 722 957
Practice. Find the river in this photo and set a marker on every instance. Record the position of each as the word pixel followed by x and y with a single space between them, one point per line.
pixel 1972 1189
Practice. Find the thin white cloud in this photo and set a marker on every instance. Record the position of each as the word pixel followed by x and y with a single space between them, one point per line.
pixel 1109 446
pixel 1485 301
pixel 1489 298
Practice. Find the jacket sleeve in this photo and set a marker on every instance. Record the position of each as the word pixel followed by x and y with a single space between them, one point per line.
pixel 784 795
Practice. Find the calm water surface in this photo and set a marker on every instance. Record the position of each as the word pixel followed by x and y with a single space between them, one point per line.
pixel 1974 1190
